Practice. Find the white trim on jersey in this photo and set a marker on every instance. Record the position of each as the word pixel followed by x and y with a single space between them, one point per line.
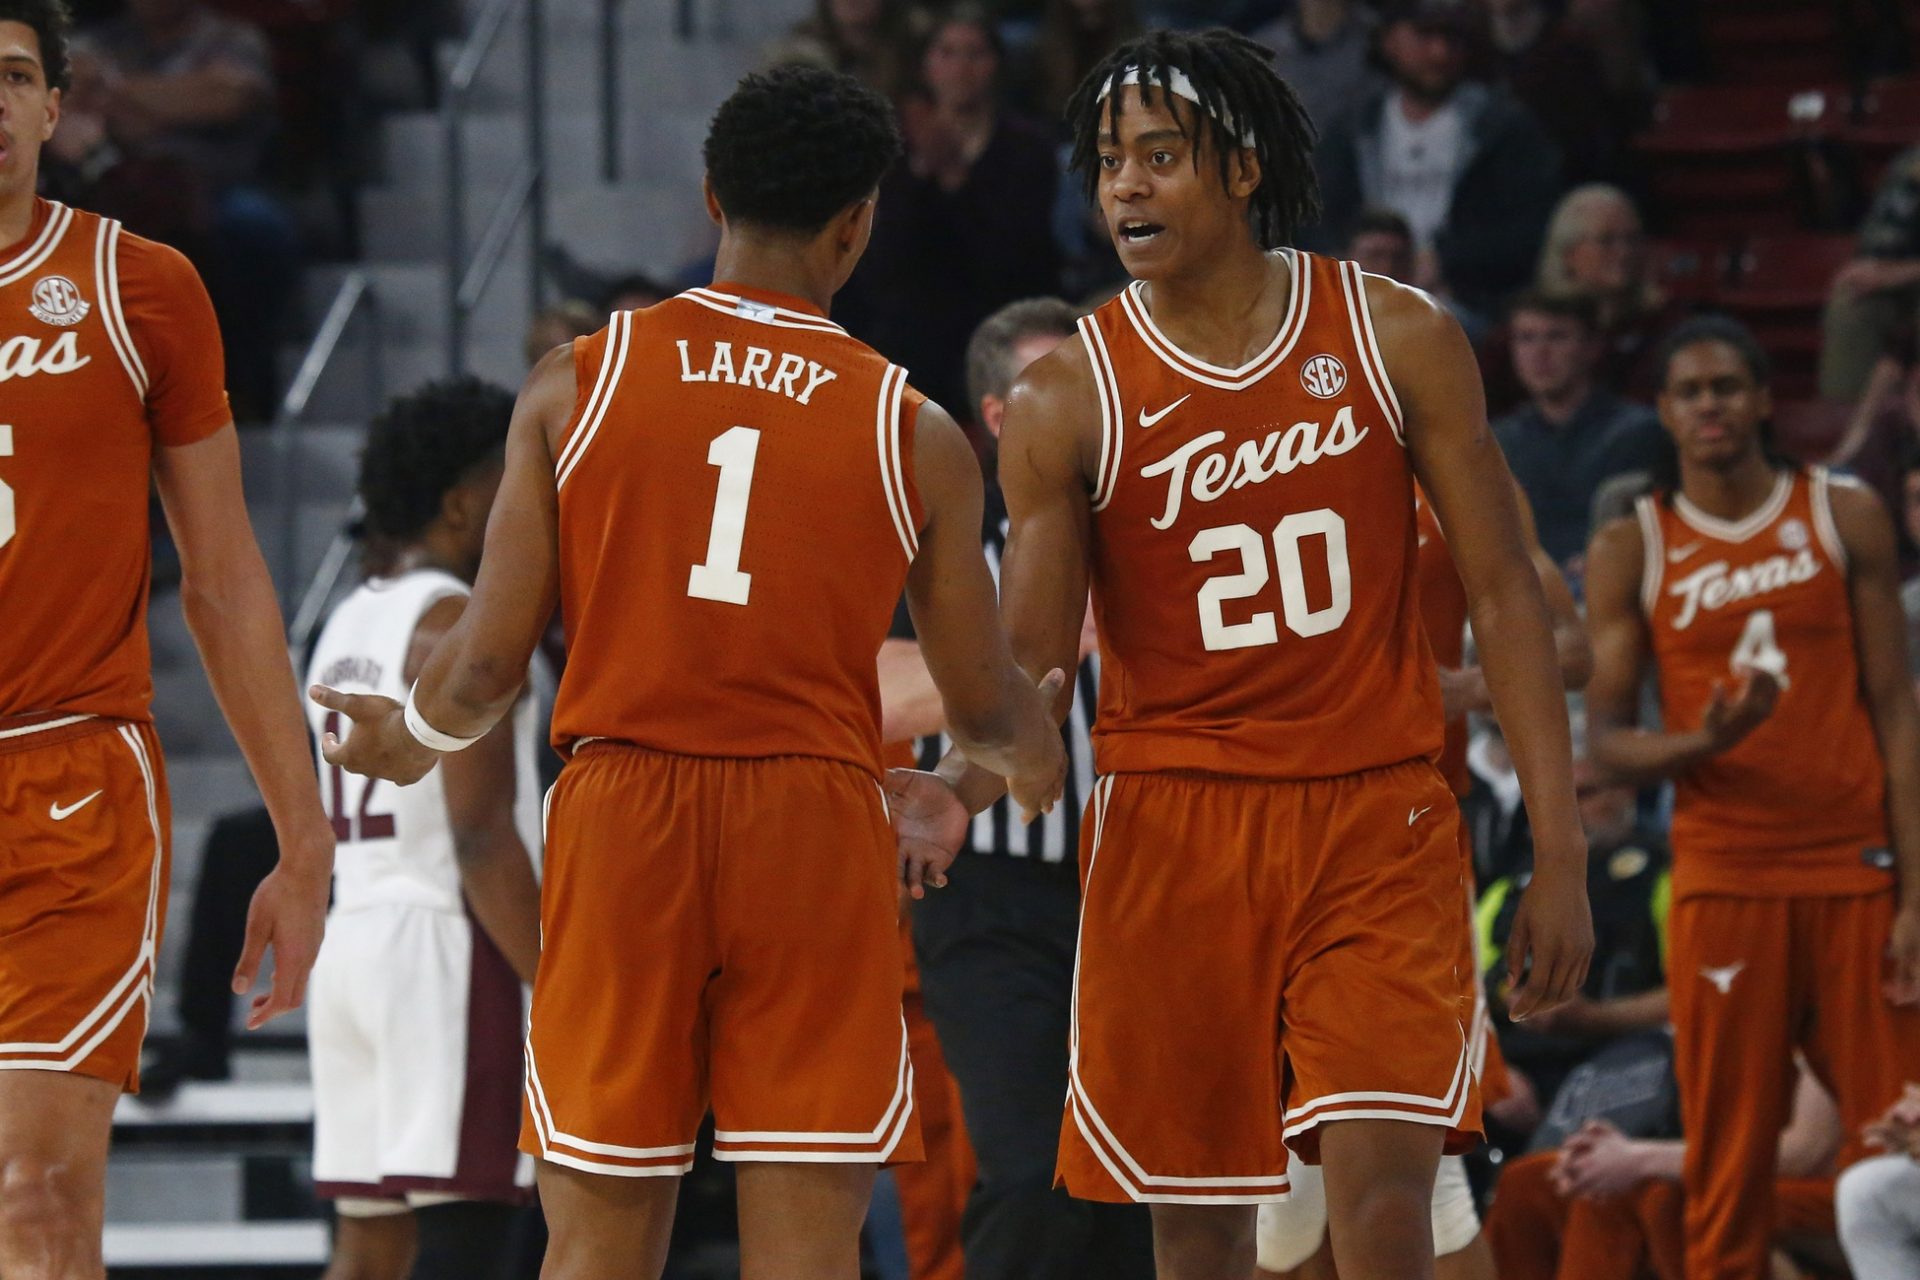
pixel 1737 530
pixel 1823 525
pixel 1372 363
pixel 1388 1105
pixel 1133 1179
pixel 612 364
pixel 1653 564
pixel 135 986
pixel 1113 422
pixel 893 478
pixel 41 249
pixel 1292 325
pixel 769 1145
pixel 42 727
pixel 106 270
pixel 760 312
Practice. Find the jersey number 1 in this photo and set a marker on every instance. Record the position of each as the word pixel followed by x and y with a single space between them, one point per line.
pixel 6 494
pixel 719 578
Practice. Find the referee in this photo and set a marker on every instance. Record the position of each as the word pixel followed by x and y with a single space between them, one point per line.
pixel 995 948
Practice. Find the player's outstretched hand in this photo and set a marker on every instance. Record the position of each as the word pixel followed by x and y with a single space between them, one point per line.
pixel 378 744
pixel 929 822
pixel 288 914
pixel 1043 772
pixel 1551 944
pixel 1733 714
pixel 1903 958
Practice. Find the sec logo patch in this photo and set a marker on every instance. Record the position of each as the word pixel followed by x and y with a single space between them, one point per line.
pixel 1324 377
pixel 57 301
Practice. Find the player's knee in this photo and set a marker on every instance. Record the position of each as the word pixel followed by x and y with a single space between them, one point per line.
pixel 1203 1241
pixel 1873 1194
pixel 45 1207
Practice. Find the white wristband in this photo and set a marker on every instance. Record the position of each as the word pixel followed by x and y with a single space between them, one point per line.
pixel 428 736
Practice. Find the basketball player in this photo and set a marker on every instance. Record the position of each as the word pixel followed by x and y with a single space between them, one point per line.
pixel 415 1028
pixel 1764 600
pixel 1292 1235
pixel 726 494
pixel 1230 453
pixel 110 380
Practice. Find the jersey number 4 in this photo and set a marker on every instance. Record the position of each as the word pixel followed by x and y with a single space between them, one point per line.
pixel 1758 650
pixel 1302 618
pixel 719 577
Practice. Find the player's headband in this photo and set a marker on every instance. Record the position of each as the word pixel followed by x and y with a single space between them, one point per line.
pixel 1174 81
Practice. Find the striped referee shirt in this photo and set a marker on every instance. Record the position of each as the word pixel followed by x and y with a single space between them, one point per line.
pixel 1055 838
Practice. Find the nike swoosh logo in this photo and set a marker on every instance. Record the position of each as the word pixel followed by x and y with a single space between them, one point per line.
pixel 59 814
pixel 1678 554
pixel 1148 419
pixel 1415 815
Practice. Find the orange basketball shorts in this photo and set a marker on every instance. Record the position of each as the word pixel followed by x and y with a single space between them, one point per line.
pixel 83 879
pixel 1257 959
pixel 724 933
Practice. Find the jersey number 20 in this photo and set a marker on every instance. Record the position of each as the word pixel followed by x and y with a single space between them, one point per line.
pixel 1302 618
pixel 719 577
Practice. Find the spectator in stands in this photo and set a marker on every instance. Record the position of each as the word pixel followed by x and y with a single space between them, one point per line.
pixel 174 84
pixel 1883 435
pixel 1074 35
pixel 1470 169
pixel 871 39
pixel 1625 993
pixel 1573 432
pixel 1596 248
pixel 1875 301
pixel 965 222
pixel 1878 1200
pixel 562 322
pixel 1606 1205
pixel 1382 243
pixel 1324 49
pixel 1552 64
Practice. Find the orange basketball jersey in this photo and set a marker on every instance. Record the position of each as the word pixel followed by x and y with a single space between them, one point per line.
pixel 737 514
pixel 1254 548
pixel 108 346
pixel 1798 805
pixel 1443 612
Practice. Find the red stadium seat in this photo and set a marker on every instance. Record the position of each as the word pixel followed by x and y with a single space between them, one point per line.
pixel 1809 429
pixel 1773 41
pixel 1778 285
pixel 1728 160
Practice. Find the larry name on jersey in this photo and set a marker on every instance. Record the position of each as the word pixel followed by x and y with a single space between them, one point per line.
pixel 757 369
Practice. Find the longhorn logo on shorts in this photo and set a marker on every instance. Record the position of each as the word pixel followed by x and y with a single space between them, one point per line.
pixel 57 301
pixel 1324 377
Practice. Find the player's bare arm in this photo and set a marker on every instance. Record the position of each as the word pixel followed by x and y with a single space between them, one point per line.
pixel 496 871
pixel 1622 649
pixel 1461 468
pixel 992 712
pixel 234 616
pixel 475 673
pixel 909 701
pixel 1047 448
pixel 1880 638
pixel 1465 689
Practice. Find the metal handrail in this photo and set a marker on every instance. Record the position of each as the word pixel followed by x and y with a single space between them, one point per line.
pixel 355 293
pixel 467 278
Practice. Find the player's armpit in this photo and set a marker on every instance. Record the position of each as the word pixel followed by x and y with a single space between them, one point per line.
pixel 475 674
pixel 1880 640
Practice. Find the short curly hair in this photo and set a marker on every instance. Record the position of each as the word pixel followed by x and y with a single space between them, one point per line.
pixel 794 145
pixel 420 448
pixel 53 23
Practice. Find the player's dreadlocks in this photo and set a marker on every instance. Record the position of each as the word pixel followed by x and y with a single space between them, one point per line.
pixel 1240 95
pixel 421 447
pixel 793 146
pixel 52 22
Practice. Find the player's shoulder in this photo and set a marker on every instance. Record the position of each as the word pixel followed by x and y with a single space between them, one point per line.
pixel 1405 317
pixel 148 264
pixel 1060 383
pixel 1616 562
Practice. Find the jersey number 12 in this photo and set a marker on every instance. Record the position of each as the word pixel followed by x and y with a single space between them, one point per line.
pixel 719 577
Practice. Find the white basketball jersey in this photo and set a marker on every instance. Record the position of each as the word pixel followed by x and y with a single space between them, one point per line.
pixel 395 844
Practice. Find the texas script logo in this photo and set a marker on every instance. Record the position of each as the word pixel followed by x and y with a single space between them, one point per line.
pixel 1715 586
pixel 22 357
pixel 1252 462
